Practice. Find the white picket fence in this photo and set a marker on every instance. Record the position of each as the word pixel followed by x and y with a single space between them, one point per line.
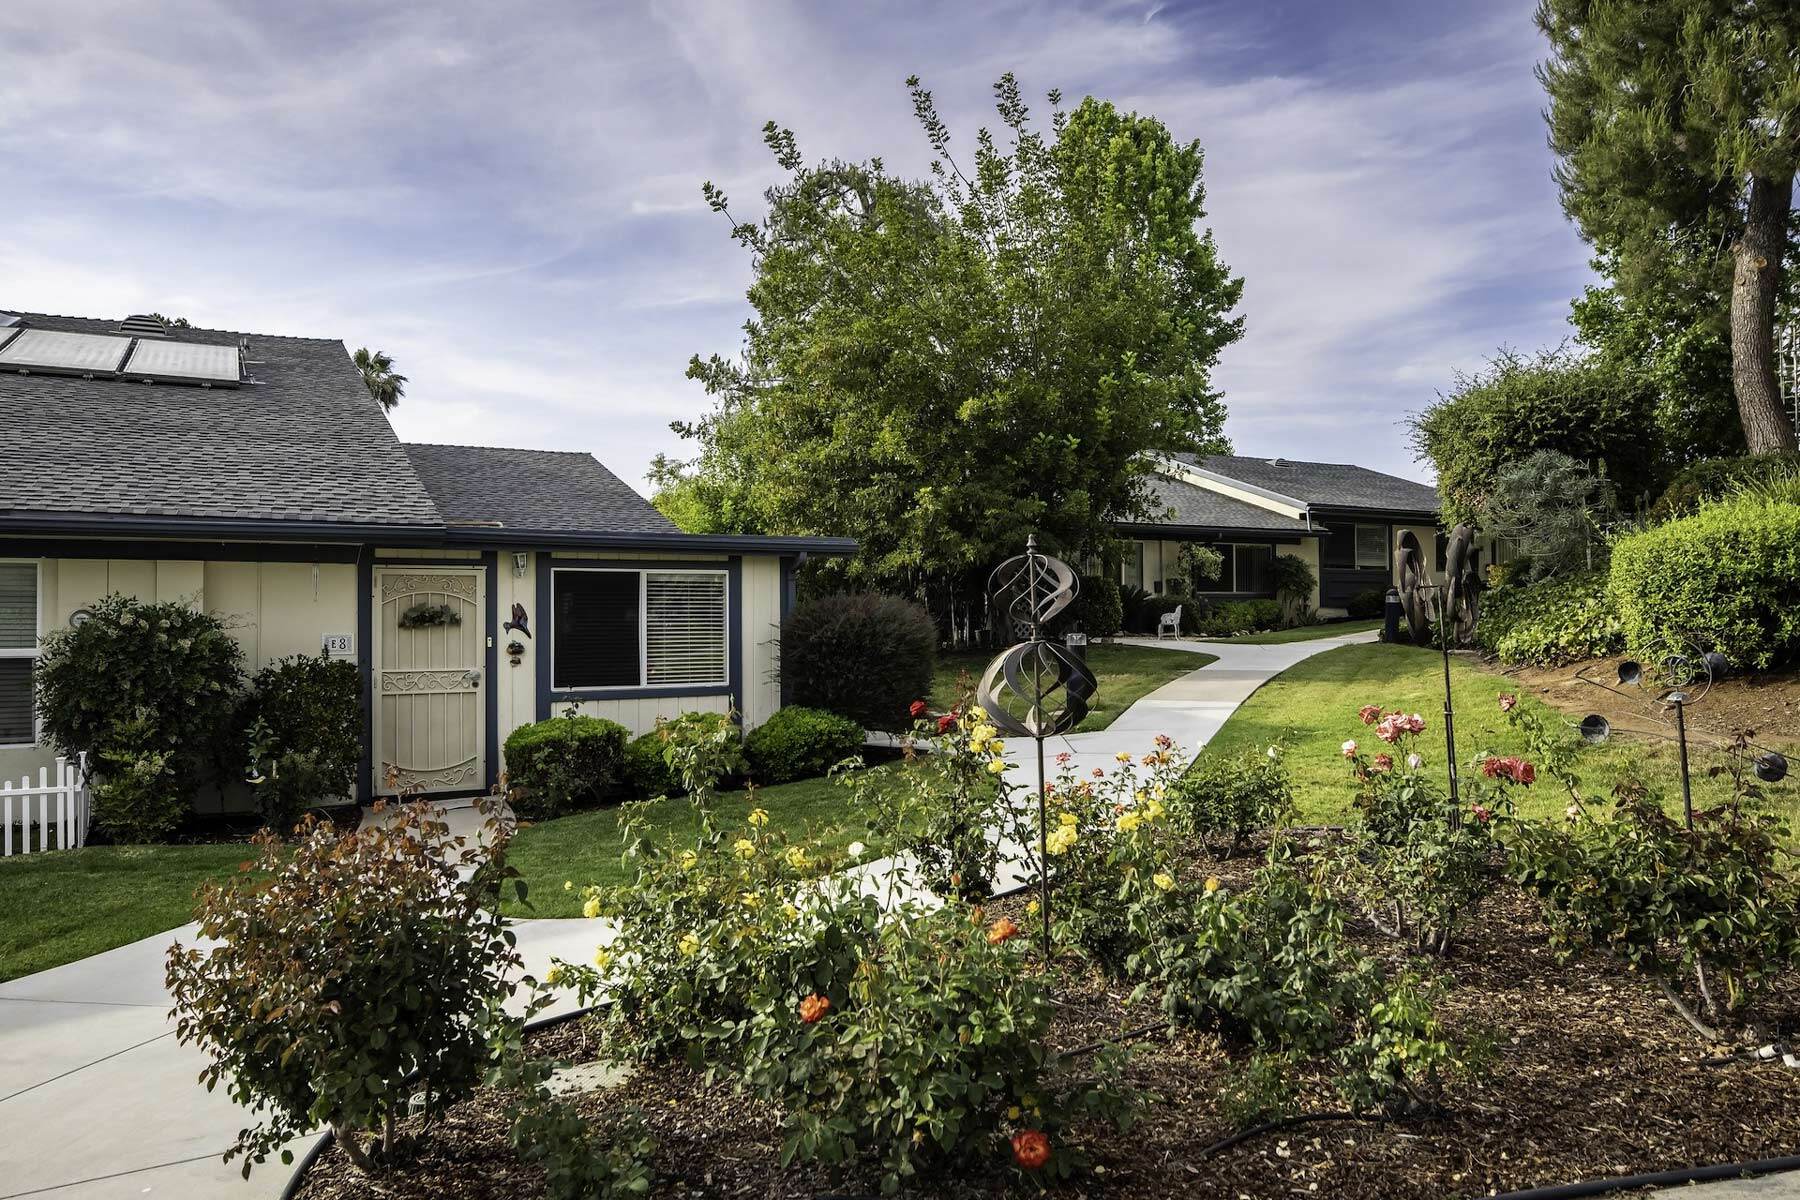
pixel 57 806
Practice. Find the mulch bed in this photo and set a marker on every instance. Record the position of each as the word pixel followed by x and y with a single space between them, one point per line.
pixel 1592 1075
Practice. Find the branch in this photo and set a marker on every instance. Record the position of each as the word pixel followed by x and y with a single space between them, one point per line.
pixel 1687 1014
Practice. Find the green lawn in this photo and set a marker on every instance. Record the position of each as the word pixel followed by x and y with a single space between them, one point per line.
pixel 1311 708
pixel 68 904
pixel 1126 674
pixel 1300 633
pixel 586 848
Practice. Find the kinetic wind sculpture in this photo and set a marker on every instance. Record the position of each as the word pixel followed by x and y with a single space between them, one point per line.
pixel 1019 688
pixel 1455 605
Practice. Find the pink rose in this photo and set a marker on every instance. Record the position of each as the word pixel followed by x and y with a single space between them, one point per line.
pixel 1384 762
pixel 1481 814
pixel 1508 702
pixel 1349 748
pixel 1370 713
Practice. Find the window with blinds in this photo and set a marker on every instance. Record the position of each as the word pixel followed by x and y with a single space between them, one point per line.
pixel 18 650
pixel 619 629
pixel 684 627
pixel 1371 546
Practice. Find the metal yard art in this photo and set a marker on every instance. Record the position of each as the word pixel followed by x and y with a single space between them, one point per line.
pixel 1036 688
pixel 1454 605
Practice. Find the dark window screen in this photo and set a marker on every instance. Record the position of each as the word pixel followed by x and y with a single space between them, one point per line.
pixel 15 701
pixel 1255 568
pixel 596 630
pixel 1339 550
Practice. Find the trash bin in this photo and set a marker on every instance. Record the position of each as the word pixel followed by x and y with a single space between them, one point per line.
pixel 1391 617
pixel 1077 644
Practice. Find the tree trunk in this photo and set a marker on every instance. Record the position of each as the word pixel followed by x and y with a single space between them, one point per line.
pixel 1755 284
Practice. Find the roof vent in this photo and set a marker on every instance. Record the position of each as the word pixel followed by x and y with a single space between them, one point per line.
pixel 1276 462
pixel 143 325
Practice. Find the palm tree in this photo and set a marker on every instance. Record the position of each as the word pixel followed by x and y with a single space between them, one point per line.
pixel 379 376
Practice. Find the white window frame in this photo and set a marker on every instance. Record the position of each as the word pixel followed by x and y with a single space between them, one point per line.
pixel 36 649
pixel 643 631
pixel 1382 562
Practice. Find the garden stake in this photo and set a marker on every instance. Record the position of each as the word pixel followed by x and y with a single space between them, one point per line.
pixel 1449 711
pixel 1679 700
pixel 1029 589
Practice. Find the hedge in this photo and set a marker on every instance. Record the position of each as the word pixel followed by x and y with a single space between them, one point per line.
pixel 564 763
pixel 1726 579
pixel 799 743
pixel 1714 478
pixel 1551 622
pixel 860 655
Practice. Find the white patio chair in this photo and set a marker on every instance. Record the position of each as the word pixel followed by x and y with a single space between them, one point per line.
pixel 1169 623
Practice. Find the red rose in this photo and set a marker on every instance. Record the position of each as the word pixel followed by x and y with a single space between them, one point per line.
pixel 1031 1149
pixel 918 709
pixel 1492 767
pixel 1370 713
pixel 814 1007
pixel 1524 772
pixel 1480 813
pixel 947 722
pixel 1384 762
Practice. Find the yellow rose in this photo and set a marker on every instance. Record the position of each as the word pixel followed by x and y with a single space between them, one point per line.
pixel 745 848
pixel 997 766
pixel 1213 884
pixel 1123 756
pixel 796 857
pixel 985 733
pixel 996 747
pixel 687 860
pixel 568 885
pixel 553 976
pixel 1062 839
pixel 752 901
pixel 759 817
pixel 978 714
pixel 1031 910
pixel 1164 881
pixel 689 945
pixel 603 958
pixel 1065 818
pixel 591 909
pixel 1128 820
pixel 790 912
pixel 1154 810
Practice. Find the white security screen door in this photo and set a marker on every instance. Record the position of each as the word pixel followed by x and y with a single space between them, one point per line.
pixel 430 691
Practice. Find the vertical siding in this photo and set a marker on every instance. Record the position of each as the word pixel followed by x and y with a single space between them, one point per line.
pixel 761 625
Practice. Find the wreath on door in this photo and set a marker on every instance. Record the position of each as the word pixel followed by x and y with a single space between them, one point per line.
pixel 427 616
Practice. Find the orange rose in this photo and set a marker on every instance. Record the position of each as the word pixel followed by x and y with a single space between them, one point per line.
pixel 1031 1149
pixel 814 1007
pixel 1001 931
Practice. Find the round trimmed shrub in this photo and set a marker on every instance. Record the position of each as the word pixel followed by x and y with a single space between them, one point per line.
pixel 149 692
pixel 861 655
pixel 1364 606
pixel 1726 579
pixel 1098 608
pixel 304 720
pixel 647 772
pixel 564 763
pixel 799 743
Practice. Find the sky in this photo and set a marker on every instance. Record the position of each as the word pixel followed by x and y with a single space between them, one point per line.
pixel 506 197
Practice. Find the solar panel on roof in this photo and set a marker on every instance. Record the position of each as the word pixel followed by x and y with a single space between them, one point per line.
pixel 183 362
pixel 57 353
pixel 7 332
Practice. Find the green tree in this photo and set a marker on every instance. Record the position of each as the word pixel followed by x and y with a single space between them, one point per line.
pixel 1674 121
pixel 173 322
pixel 384 383
pixel 1581 406
pixel 939 367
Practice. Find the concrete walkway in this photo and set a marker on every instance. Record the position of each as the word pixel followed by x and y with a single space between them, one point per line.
pixel 99 1102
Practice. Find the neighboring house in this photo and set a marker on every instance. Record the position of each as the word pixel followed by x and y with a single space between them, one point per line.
pixel 254 477
pixel 1344 521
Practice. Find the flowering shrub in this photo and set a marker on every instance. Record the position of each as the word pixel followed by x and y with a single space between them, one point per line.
pixel 1109 841
pixel 1717 903
pixel 1415 860
pixel 946 808
pixel 1231 797
pixel 700 749
pixel 1270 968
pixel 943 1005
pixel 342 969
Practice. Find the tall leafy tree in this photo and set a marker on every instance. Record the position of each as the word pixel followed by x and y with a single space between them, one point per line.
pixel 938 367
pixel 384 383
pixel 1674 120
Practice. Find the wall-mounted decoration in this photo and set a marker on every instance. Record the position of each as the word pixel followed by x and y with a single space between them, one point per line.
pixel 427 616
pixel 520 621
pixel 80 617
pixel 337 645
pixel 515 649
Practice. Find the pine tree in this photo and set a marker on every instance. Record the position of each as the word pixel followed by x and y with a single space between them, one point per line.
pixel 1674 119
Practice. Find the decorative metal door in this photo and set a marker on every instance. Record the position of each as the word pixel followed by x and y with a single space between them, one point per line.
pixel 430 690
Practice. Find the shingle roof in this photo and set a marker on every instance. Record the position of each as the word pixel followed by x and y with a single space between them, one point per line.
pixel 1191 506
pixel 1323 485
pixel 303 442
pixel 531 489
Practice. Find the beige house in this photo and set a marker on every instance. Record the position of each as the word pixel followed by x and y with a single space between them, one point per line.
pixel 1344 521
pixel 253 476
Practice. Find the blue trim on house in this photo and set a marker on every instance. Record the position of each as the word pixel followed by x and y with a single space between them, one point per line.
pixel 734 632
pixel 491 666
pixel 180 551
pixel 365 661
pixel 541 652
pixel 789 565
